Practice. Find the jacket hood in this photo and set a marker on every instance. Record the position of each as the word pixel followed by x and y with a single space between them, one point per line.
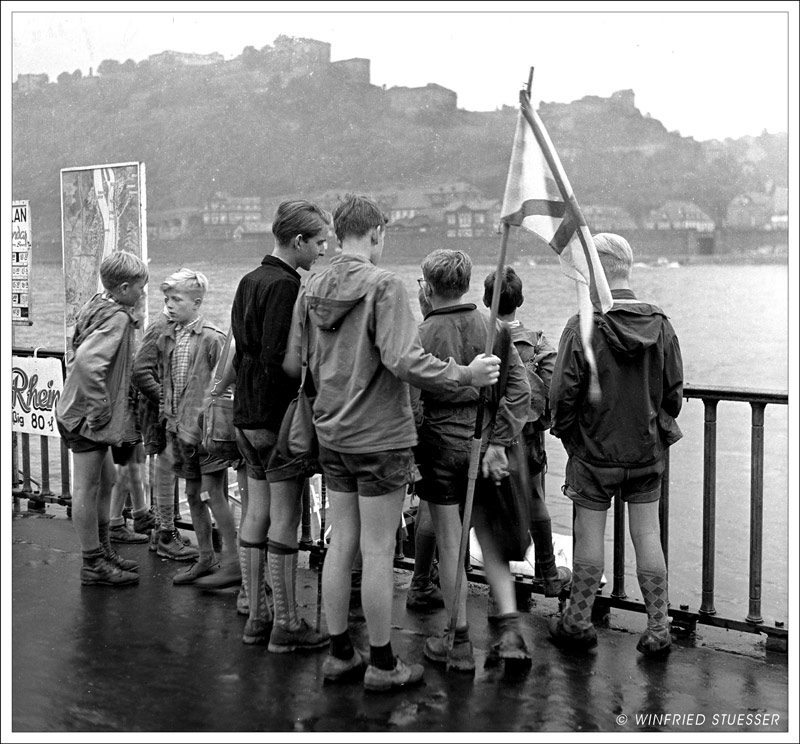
pixel 96 312
pixel 332 294
pixel 632 327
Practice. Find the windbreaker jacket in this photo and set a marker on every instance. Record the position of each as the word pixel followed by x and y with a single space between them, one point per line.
pixel 260 319
pixel 95 400
pixel 209 341
pixel 641 384
pixel 448 417
pixel 364 349
pixel 146 380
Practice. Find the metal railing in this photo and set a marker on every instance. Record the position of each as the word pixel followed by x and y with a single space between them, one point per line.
pixel 684 617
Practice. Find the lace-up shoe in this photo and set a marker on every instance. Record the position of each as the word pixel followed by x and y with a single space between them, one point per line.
pixel 577 640
pixel 558 582
pixel 383 680
pixel 197 570
pixel 106 573
pixel 655 644
pixel 123 564
pixel 459 658
pixel 124 534
pixel 283 641
pixel 145 523
pixel 170 545
pixel 335 669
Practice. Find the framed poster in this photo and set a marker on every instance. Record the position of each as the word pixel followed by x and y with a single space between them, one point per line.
pixel 36 386
pixel 102 211
pixel 21 263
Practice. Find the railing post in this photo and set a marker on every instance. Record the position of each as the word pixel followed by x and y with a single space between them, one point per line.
pixel 709 504
pixel 45 458
pixel 306 538
pixel 26 462
pixel 756 509
pixel 618 590
pixel 65 492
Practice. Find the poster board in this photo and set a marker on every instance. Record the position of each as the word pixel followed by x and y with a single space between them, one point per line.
pixel 21 242
pixel 102 211
pixel 37 384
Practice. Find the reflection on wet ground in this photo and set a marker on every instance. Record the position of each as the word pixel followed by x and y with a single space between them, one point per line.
pixel 156 657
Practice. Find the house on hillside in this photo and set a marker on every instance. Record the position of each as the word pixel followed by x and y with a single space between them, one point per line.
pixel 252 231
pixel 604 218
pixel 472 219
pixel 679 215
pixel 780 208
pixel 222 213
pixel 26 83
pixel 430 98
pixel 185 59
pixel 752 210
pixel 169 224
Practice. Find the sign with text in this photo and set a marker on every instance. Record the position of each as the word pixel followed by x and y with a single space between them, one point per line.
pixel 21 263
pixel 37 384
pixel 102 211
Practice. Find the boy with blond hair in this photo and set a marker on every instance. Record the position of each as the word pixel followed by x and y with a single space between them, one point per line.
pixel 93 412
pixel 188 349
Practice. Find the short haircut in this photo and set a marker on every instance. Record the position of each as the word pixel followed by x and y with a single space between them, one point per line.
pixel 122 266
pixel 511 296
pixel 615 254
pixel 191 282
pixel 356 216
pixel 298 218
pixel 448 272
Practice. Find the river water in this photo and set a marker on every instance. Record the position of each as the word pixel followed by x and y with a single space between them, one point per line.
pixel 732 322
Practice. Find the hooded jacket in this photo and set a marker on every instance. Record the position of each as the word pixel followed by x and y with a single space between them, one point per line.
pixel 363 351
pixel 95 400
pixel 208 341
pixel 448 418
pixel 641 382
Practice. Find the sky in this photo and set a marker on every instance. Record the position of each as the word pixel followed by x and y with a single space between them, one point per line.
pixel 704 72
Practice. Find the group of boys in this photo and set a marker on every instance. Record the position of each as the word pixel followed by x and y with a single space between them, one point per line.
pixel 391 399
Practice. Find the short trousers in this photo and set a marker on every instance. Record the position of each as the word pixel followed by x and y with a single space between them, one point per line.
pixel 126 453
pixel 191 461
pixel 594 487
pixel 264 462
pixel 445 476
pixel 78 443
pixel 368 474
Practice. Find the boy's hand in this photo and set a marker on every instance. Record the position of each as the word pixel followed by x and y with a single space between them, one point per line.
pixel 485 370
pixel 495 463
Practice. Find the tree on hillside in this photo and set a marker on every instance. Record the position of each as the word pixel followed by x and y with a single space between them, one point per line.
pixel 64 78
pixel 108 67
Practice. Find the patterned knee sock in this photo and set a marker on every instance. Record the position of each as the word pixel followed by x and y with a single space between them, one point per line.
pixel 585 583
pixel 253 564
pixel 282 571
pixel 654 593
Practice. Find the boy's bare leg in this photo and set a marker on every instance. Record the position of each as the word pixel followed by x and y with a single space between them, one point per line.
pixel 380 518
pixel 345 525
pixel 447 524
pixel 230 573
pixel 86 504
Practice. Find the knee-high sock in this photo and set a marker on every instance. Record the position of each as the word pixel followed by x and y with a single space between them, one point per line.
pixel 654 593
pixel 542 534
pixel 283 573
pixel 253 563
pixel 585 583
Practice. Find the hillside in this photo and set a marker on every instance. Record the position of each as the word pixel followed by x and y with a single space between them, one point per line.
pixel 205 129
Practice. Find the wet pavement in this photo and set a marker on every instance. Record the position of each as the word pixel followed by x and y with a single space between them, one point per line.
pixel 155 657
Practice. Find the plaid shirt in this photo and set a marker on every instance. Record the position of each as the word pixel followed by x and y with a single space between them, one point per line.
pixel 181 360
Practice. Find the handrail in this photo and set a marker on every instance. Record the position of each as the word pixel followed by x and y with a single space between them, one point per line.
pixel 684 617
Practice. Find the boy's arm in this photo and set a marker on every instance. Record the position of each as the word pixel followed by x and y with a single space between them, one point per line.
pixel 145 376
pixel 566 385
pixel 672 398
pixel 397 339
pixel 512 411
pixel 277 319
pixel 92 361
pixel 292 361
